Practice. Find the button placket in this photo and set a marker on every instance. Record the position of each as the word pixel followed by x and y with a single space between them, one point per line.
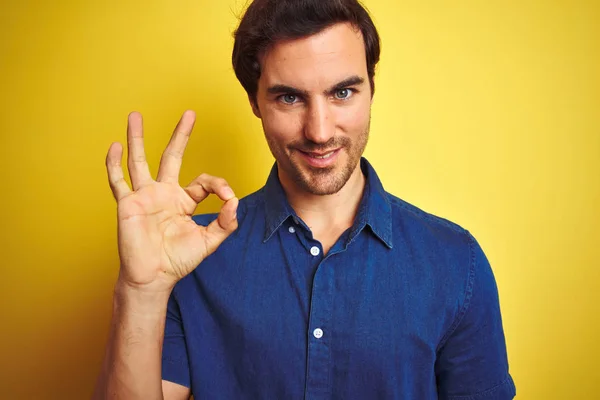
pixel 318 379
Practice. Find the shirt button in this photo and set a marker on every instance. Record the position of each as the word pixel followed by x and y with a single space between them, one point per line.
pixel 315 251
pixel 291 229
pixel 318 333
pixel 296 220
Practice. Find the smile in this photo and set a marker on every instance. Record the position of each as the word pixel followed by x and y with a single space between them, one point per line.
pixel 322 156
pixel 321 160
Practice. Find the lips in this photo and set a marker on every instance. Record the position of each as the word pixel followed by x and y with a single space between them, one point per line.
pixel 320 159
pixel 322 155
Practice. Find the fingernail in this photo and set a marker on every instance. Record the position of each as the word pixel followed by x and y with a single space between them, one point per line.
pixel 229 192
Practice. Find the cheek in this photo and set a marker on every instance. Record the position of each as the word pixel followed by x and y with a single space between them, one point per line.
pixel 282 125
pixel 354 119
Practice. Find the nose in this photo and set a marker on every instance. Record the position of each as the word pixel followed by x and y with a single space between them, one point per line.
pixel 319 125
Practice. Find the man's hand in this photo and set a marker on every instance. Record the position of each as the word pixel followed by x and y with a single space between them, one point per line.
pixel 159 243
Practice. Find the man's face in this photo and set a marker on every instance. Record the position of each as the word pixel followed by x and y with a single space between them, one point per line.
pixel 314 100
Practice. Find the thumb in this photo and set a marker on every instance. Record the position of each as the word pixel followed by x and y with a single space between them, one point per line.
pixel 218 230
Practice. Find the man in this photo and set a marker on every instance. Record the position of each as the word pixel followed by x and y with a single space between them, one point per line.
pixel 321 285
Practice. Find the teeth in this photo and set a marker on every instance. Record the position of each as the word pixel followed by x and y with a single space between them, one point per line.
pixel 324 156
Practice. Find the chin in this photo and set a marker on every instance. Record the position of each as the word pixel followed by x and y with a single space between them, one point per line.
pixel 323 181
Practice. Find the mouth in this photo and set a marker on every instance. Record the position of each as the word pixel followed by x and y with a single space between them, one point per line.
pixel 320 159
pixel 321 155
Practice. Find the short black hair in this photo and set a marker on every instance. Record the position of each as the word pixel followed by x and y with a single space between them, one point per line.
pixel 266 22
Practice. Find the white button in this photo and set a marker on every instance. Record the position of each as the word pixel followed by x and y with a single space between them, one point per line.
pixel 318 333
pixel 296 221
pixel 291 229
pixel 314 251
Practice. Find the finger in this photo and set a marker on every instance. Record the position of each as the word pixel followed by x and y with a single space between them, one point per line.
pixel 117 182
pixel 136 157
pixel 205 184
pixel 218 230
pixel 172 157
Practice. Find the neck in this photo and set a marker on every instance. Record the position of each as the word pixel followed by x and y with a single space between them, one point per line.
pixel 327 214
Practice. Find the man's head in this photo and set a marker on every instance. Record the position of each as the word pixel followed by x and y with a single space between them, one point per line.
pixel 308 68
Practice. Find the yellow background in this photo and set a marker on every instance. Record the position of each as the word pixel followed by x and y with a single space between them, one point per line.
pixel 486 113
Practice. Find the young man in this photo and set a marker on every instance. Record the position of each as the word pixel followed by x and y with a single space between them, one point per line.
pixel 321 285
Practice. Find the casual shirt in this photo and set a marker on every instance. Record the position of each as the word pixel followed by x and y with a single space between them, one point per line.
pixel 403 306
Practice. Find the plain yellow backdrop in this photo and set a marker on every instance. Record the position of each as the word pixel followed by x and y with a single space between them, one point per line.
pixel 486 113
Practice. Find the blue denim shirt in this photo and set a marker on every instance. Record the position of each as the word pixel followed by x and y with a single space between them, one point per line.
pixel 403 306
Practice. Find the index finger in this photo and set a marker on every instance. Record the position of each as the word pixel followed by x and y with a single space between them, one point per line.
pixel 172 157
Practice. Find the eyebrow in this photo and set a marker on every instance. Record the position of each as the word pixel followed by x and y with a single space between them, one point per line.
pixel 281 89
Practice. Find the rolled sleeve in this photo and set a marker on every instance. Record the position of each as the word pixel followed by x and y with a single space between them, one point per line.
pixel 175 365
pixel 472 363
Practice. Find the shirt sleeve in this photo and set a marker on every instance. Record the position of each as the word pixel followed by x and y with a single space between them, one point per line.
pixel 472 363
pixel 175 365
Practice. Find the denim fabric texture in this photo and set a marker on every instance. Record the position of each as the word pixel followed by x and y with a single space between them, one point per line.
pixel 403 306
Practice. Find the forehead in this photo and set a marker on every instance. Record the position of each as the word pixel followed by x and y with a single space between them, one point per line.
pixel 316 61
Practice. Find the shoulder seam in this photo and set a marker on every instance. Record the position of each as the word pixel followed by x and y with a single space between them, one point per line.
pixel 468 294
pixel 423 214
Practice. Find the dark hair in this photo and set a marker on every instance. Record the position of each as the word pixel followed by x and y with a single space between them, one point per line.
pixel 267 21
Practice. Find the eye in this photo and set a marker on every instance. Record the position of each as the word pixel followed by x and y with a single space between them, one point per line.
pixel 343 94
pixel 289 98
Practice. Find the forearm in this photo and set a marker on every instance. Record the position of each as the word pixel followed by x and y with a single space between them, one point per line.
pixel 132 364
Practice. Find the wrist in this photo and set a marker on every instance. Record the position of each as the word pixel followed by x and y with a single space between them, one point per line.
pixel 141 300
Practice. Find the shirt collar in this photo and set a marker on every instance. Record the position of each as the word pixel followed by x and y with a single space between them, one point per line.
pixel 374 210
pixel 277 208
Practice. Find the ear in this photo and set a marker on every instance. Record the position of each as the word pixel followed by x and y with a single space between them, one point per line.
pixel 254 106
